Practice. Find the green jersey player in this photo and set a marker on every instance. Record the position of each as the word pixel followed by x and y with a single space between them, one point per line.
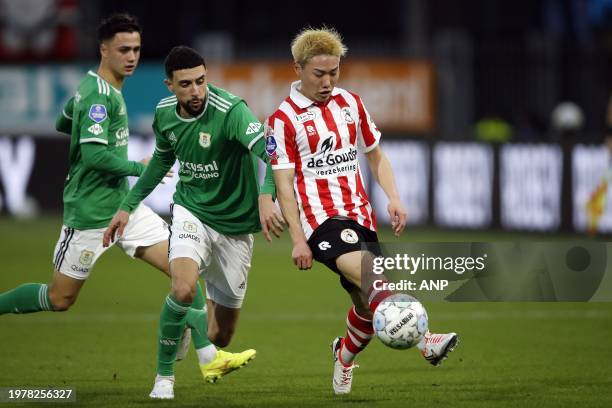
pixel 96 119
pixel 213 134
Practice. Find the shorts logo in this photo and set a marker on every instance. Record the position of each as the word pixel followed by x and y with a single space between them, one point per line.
pixel 349 236
pixel 347 115
pixel 205 140
pixel 86 257
pixel 97 112
pixel 190 227
pixel 324 245
pixel 242 285
pixel 253 128
pixel 96 129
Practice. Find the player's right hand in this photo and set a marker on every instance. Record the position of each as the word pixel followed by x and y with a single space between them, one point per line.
pixel 115 228
pixel 302 255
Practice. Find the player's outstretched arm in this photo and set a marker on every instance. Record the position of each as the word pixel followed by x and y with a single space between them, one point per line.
pixel 301 253
pixel 157 168
pixel 383 174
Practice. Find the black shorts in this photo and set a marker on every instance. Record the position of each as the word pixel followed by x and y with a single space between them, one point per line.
pixel 338 236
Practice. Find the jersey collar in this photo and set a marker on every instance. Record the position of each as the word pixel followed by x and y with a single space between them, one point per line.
pixel 302 101
pixel 93 74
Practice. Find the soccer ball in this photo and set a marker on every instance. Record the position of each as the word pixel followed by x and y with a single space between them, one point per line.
pixel 400 321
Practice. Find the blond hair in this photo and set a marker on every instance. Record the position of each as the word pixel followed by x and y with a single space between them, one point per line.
pixel 311 42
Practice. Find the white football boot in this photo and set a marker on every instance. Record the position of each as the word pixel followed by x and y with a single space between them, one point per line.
pixel 435 347
pixel 163 388
pixel 183 348
pixel 343 375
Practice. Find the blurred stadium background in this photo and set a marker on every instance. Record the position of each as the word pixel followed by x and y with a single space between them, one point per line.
pixel 492 112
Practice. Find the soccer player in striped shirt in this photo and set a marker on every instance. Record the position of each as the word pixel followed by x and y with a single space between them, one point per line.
pixel 313 139
pixel 96 119
pixel 214 136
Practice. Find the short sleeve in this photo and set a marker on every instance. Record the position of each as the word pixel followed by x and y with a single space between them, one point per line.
pixel 94 118
pixel 162 144
pixel 368 135
pixel 280 142
pixel 243 125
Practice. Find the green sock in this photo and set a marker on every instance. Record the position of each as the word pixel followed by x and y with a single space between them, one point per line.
pixel 27 298
pixel 171 326
pixel 197 319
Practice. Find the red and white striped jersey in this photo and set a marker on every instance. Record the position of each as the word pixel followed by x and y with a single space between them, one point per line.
pixel 320 141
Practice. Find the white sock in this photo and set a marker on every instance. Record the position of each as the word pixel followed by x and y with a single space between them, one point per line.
pixel 164 377
pixel 421 345
pixel 207 354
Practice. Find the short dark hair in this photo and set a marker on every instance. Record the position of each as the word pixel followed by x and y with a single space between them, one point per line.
pixel 182 57
pixel 117 23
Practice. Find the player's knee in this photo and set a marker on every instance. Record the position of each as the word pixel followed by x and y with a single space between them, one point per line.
pixel 183 292
pixel 61 303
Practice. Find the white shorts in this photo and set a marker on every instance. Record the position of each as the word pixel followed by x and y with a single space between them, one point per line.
pixel 77 251
pixel 224 260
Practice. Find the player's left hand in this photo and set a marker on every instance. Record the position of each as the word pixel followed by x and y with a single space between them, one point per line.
pixel 115 228
pixel 270 217
pixel 397 215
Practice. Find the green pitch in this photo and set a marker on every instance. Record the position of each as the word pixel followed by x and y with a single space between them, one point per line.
pixel 521 354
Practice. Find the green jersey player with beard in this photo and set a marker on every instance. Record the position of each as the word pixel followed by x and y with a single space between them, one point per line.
pixel 213 134
pixel 96 120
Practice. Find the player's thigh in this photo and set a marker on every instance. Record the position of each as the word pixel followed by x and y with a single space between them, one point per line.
pixel 227 274
pixel 74 256
pixel 349 265
pixel 356 267
pixel 155 255
pixel 146 237
pixel 77 251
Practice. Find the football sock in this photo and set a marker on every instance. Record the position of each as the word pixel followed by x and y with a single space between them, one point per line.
pixel 200 335
pixel 423 342
pixel 171 325
pixel 27 298
pixel 375 296
pixel 207 354
pixel 197 319
pixel 358 334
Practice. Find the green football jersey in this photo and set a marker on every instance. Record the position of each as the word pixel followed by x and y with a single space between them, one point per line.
pixel 217 178
pixel 98 115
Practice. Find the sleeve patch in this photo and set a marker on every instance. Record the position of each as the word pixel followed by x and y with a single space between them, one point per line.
pixel 96 129
pixel 271 147
pixel 97 112
pixel 253 128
